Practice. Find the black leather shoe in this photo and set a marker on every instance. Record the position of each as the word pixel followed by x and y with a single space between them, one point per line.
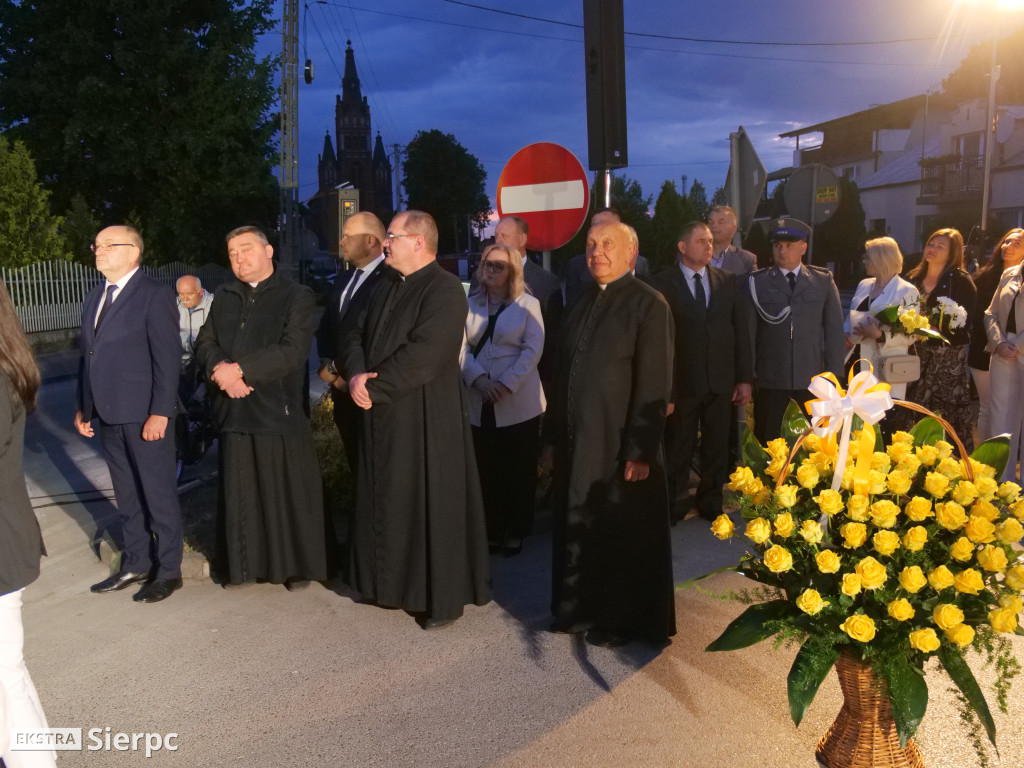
pixel 157 590
pixel 512 547
pixel 605 638
pixel 562 628
pixel 435 623
pixel 296 585
pixel 119 581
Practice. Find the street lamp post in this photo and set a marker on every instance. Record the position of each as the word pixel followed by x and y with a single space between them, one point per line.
pixel 990 138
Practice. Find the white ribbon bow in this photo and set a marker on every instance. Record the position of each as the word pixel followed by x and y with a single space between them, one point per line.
pixel 834 410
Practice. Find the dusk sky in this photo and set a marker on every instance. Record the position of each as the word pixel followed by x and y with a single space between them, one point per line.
pixel 499 81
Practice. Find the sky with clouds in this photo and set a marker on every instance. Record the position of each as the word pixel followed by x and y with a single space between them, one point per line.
pixel 501 74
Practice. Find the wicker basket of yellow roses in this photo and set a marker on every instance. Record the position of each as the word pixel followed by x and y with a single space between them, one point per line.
pixel 904 554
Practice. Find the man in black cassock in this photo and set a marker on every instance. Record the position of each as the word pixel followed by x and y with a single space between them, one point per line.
pixel 254 349
pixel 612 572
pixel 419 539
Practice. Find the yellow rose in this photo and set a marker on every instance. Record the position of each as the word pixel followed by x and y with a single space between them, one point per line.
pixel 898 482
pixel 880 462
pixel 902 437
pixel 915 538
pixel 776 467
pixel 885 542
pixel 723 527
pixel 1017 509
pixel 992 559
pixel 829 502
pixel 738 480
pixel 854 535
pixel 872 573
pixel 947 615
pixel 898 451
pixel 777 559
pixel 829 562
pixel 965 492
pixel 950 468
pixel 979 530
pixel 1003 619
pixel 758 530
pixel 937 485
pixel 1008 491
pixel 912 579
pixel 981 471
pixel 1009 531
pixel 857 508
pixel 757 492
pixel 1015 578
pixel 924 640
pixel 1013 602
pixel 962 549
pixel 807 475
pixel 940 578
pixel 847 482
pixel 778 448
pixel 786 496
pixel 961 635
pixel 850 584
pixel 909 464
pixel 813 443
pixel 927 455
pixel 859 627
pixel 876 482
pixel 784 525
pixel 901 609
pixel 811 531
pixel 986 510
pixel 919 509
pixel 884 513
pixel 987 488
pixel 810 602
pixel 821 461
pixel 945 449
pixel 950 516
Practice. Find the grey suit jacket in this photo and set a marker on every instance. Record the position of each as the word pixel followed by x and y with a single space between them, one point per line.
pixel 738 262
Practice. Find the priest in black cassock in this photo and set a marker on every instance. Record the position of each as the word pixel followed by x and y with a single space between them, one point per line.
pixel 612 571
pixel 419 539
pixel 254 349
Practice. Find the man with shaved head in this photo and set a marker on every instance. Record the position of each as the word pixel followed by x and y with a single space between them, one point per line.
pixel 612 571
pixel 128 381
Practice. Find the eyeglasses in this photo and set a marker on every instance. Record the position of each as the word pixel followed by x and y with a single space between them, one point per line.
pixel 494 266
pixel 390 236
pixel 96 248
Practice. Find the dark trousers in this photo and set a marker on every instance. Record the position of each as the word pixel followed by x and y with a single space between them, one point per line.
pixel 769 408
pixel 143 476
pixel 506 458
pixel 710 414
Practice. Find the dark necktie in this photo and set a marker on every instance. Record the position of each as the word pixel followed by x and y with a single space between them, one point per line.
pixel 792 280
pixel 106 304
pixel 350 290
pixel 698 293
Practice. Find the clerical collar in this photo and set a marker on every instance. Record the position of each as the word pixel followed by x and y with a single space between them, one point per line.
pixel 603 286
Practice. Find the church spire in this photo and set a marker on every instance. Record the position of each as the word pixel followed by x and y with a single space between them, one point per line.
pixel 350 90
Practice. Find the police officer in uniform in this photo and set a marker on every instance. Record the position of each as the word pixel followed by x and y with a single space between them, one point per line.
pixel 797 327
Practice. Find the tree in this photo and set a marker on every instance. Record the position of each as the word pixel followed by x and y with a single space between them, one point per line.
pixel 28 232
pixel 698 198
pixel 970 79
pixel 155 112
pixel 671 212
pixel 442 178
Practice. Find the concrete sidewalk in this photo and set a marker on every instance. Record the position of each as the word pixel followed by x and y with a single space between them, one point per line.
pixel 264 676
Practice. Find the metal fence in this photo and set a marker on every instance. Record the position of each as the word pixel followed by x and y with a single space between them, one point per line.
pixel 48 295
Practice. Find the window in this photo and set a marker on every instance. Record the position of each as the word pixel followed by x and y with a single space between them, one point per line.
pixel 968 145
pixel 878 227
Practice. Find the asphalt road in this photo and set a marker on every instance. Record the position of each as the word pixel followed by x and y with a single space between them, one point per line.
pixel 261 676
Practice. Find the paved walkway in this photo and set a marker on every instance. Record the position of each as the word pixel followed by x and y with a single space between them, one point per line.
pixel 261 676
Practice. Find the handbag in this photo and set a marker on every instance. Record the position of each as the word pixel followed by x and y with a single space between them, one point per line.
pixel 901 369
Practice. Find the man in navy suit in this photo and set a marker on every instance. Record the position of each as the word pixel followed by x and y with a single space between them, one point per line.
pixel 712 371
pixel 128 380
pixel 362 247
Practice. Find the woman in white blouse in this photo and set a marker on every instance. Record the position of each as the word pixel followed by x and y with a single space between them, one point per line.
pixel 884 288
pixel 504 341
pixel 1004 324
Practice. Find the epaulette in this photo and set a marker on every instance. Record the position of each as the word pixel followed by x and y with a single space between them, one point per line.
pixel 821 270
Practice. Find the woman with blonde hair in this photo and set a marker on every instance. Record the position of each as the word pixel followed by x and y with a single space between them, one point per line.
pixel 504 341
pixel 944 385
pixel 21 543
pixel 883 288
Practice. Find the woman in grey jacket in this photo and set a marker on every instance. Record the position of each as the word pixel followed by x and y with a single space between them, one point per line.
pixel 504 341
pixel 21 543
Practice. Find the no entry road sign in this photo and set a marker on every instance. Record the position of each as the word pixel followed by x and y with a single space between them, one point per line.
pixel 545 185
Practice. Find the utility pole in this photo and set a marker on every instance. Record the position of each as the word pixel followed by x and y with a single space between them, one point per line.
pixel 398 177
pixel 288 173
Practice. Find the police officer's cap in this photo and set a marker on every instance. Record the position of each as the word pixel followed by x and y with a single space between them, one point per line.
pixel 789 229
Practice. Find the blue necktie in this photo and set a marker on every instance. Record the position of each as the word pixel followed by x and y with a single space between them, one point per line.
pixel 106 304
